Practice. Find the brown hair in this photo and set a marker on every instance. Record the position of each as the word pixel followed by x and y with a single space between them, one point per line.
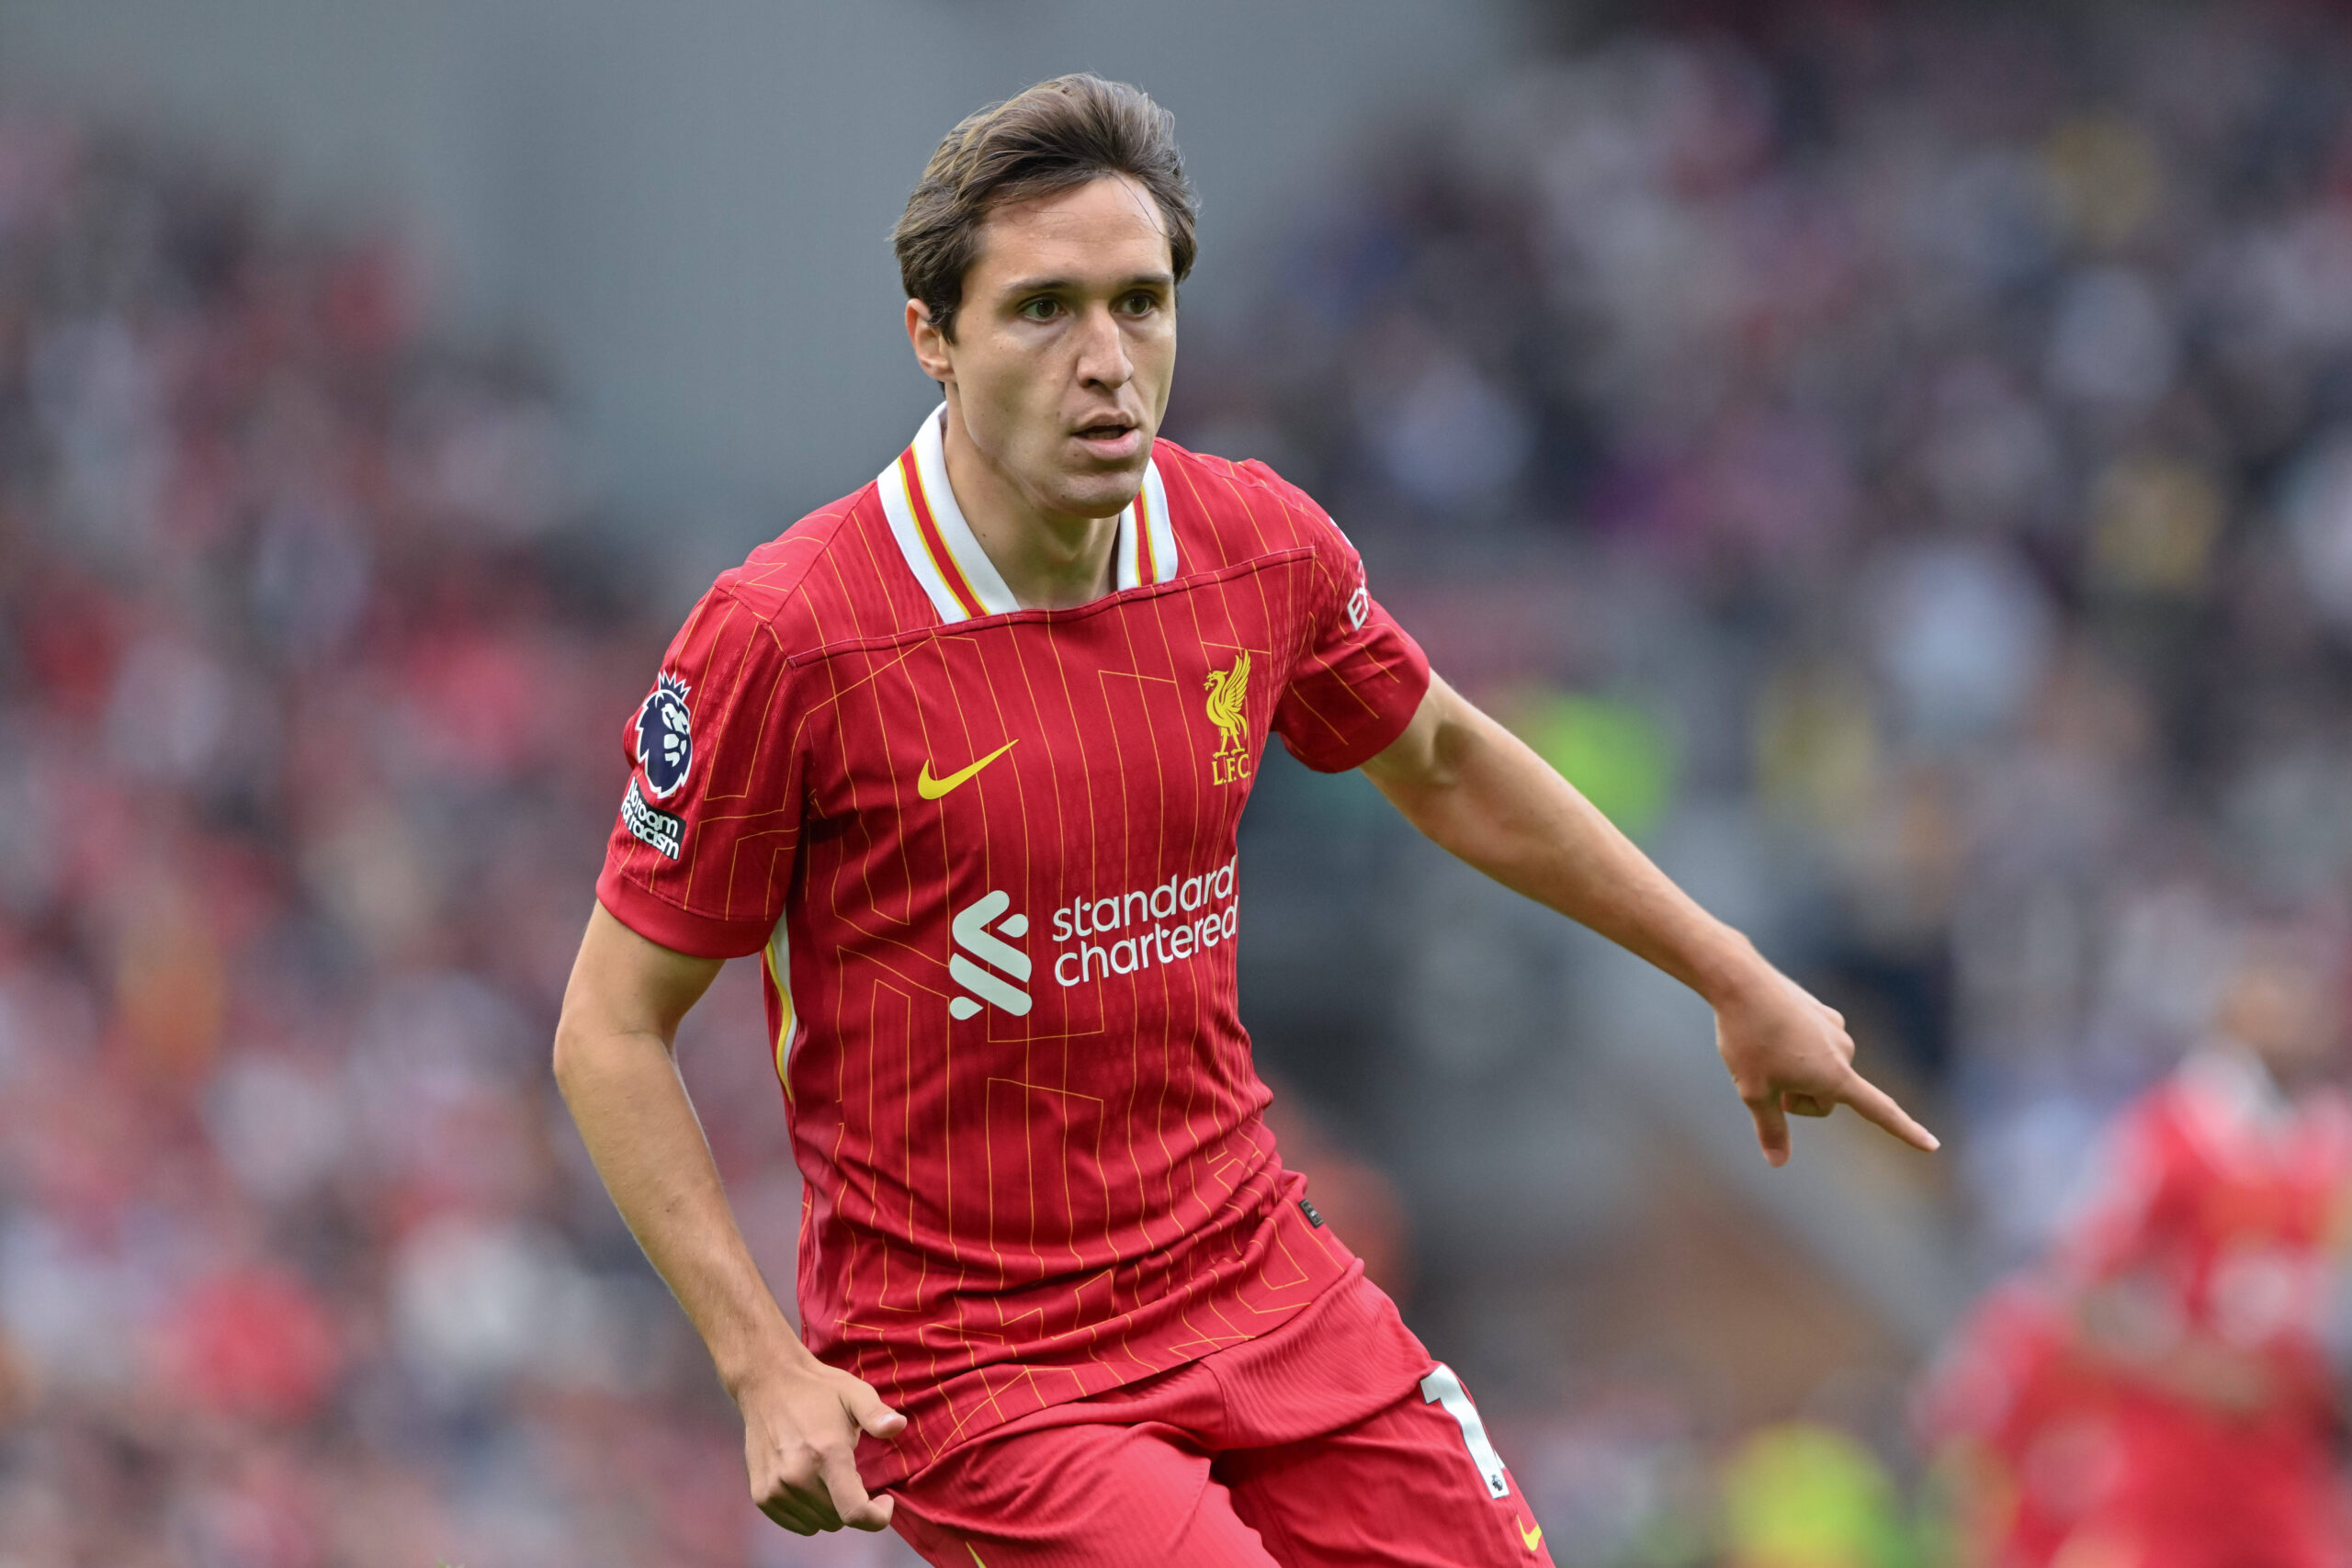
pixel 1055 137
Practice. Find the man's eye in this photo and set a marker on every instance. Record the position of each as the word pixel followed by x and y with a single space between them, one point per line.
pixel 1039 310
pixel 1141 304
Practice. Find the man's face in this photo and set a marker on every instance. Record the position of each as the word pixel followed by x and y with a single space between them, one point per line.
pixel 1064 345
pixel 2284 1005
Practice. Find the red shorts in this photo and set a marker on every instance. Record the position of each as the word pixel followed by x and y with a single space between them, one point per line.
pixel 1334 1441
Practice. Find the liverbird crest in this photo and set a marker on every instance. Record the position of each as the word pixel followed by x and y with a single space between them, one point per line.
pixel 1228 697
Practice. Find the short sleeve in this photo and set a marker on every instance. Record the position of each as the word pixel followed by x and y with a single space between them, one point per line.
pixel 1359 678
pixel 702 851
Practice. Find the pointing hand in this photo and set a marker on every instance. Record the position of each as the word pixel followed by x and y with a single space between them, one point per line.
pixel 1790 1055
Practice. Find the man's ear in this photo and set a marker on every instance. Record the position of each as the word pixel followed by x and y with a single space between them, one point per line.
pixel 928 343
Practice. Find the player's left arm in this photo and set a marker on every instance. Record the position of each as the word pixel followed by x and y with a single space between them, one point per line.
pixel 1477 791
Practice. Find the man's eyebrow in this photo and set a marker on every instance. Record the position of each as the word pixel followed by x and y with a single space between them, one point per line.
pixel 1064 284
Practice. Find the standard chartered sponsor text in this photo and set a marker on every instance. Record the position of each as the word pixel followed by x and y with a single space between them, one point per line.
pixel 1181 917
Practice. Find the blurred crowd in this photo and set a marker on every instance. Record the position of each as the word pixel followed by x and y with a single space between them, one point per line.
pixel 308 710
pixel 1931 428
pixel 1946 421
pixel 1922 440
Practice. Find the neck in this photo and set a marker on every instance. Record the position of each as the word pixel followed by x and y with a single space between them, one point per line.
pixel 1051 560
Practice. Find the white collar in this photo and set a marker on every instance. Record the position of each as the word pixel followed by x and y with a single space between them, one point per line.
pixel 946 559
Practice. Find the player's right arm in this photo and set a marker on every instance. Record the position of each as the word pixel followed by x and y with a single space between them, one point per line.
pixel 695 874
pixel 615 1063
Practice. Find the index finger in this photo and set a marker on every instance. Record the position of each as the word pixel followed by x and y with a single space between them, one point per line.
pixel 856 1509
pixel 1874 1104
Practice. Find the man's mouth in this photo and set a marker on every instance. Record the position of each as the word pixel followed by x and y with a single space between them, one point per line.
pixel 1110 437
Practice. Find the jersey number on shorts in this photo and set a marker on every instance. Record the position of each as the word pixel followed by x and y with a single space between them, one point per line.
pixel 1442 1388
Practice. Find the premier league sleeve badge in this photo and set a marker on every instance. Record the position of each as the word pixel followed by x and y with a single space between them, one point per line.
pixel 665 742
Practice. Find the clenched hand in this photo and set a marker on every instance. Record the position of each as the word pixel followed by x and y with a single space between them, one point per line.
pixel 800 1428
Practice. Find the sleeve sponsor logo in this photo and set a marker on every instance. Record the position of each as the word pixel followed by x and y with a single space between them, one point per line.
pixel 1359 607
pixel 664 833
pixel 665 741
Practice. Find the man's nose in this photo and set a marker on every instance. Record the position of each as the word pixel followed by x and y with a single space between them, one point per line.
pixel 1102 351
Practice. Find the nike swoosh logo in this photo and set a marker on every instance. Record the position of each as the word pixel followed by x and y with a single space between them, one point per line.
pixel 932 789
pixel 1530 1537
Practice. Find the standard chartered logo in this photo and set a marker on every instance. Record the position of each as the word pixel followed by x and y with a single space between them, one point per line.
pixel 1179 920
pixel 1166 924
pixel 972 934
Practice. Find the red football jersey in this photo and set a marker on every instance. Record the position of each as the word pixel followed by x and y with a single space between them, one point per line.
pixel 2221 1206
pixel 2216 1213
pixel 2221 1201
pixel 989 854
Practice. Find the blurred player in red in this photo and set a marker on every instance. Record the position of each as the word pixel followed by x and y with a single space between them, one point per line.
pixel 962 757
pixel 2160 1397
pixel 2022 1427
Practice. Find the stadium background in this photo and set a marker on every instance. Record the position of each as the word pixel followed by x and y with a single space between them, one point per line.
pixel 1898 460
